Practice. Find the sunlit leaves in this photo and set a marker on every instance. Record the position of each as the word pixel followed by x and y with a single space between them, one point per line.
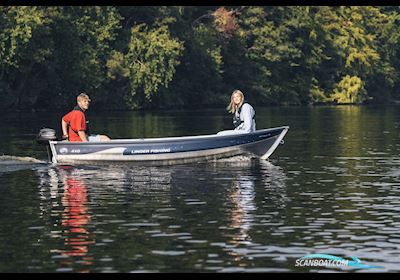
pixel 17 25
pixel 150 61
pixel 349 90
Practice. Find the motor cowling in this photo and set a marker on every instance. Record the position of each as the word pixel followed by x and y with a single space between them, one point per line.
pixel 45 135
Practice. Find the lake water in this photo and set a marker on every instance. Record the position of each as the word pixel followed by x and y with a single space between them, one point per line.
pixel 332 188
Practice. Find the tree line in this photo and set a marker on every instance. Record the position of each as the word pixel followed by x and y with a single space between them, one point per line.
pixel 154 57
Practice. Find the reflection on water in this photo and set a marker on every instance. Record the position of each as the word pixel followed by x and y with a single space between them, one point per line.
pixel 70 184
pixel 153 214
pixel 332 188
pixel 242 196
pixel 75 216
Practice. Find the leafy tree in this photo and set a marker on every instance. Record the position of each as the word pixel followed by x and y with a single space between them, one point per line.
pixel 49 54
pixel 192 56
pixel 349 90
pixel 20 50
pixel 149 63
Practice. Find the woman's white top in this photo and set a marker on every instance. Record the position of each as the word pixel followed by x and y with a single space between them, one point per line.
pixel 246 115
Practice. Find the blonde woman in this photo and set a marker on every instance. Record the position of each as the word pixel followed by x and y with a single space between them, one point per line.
pixel 243 115
pixel 243 112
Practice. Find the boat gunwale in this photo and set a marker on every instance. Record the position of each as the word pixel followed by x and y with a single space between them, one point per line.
pixel 166 139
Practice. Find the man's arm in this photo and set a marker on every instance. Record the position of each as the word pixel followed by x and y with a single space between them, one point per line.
pixel 64 129
pixel 83 136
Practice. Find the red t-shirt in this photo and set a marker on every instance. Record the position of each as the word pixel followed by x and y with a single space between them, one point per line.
pixel 77 121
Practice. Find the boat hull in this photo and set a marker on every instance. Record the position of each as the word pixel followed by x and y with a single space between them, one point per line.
pixel 170 150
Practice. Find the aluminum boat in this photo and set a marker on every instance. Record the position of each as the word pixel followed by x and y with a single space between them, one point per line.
pixel 168 150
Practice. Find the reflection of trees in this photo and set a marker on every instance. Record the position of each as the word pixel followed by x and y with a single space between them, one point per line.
pixel 350 128
pixel 351 141
pixel 150 124
pixel 361 139
pixel 363 131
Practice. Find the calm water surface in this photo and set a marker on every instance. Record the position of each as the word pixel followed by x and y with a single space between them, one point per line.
pixel 332 188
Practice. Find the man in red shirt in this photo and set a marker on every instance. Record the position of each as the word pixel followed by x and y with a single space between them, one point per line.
pixel 78 125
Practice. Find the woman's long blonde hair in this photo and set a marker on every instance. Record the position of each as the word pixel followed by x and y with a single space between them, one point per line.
pixel 232 107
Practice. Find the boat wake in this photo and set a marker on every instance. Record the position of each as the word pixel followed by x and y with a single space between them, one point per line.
pixel 5 159
pixel 234 159
pixel 15 163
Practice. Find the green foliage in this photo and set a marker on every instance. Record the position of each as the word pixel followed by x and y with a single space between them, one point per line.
pixel 82 44
pixel 149 63
pixel 17 27
pixel 349 90
pixel 317 95
pixel 177 56
pixel 49 54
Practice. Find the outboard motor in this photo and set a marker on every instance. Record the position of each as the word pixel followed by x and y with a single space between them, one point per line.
pixel 45 135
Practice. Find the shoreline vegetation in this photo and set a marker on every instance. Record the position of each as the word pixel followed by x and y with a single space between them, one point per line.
pixel 200 109
pixel 187 57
